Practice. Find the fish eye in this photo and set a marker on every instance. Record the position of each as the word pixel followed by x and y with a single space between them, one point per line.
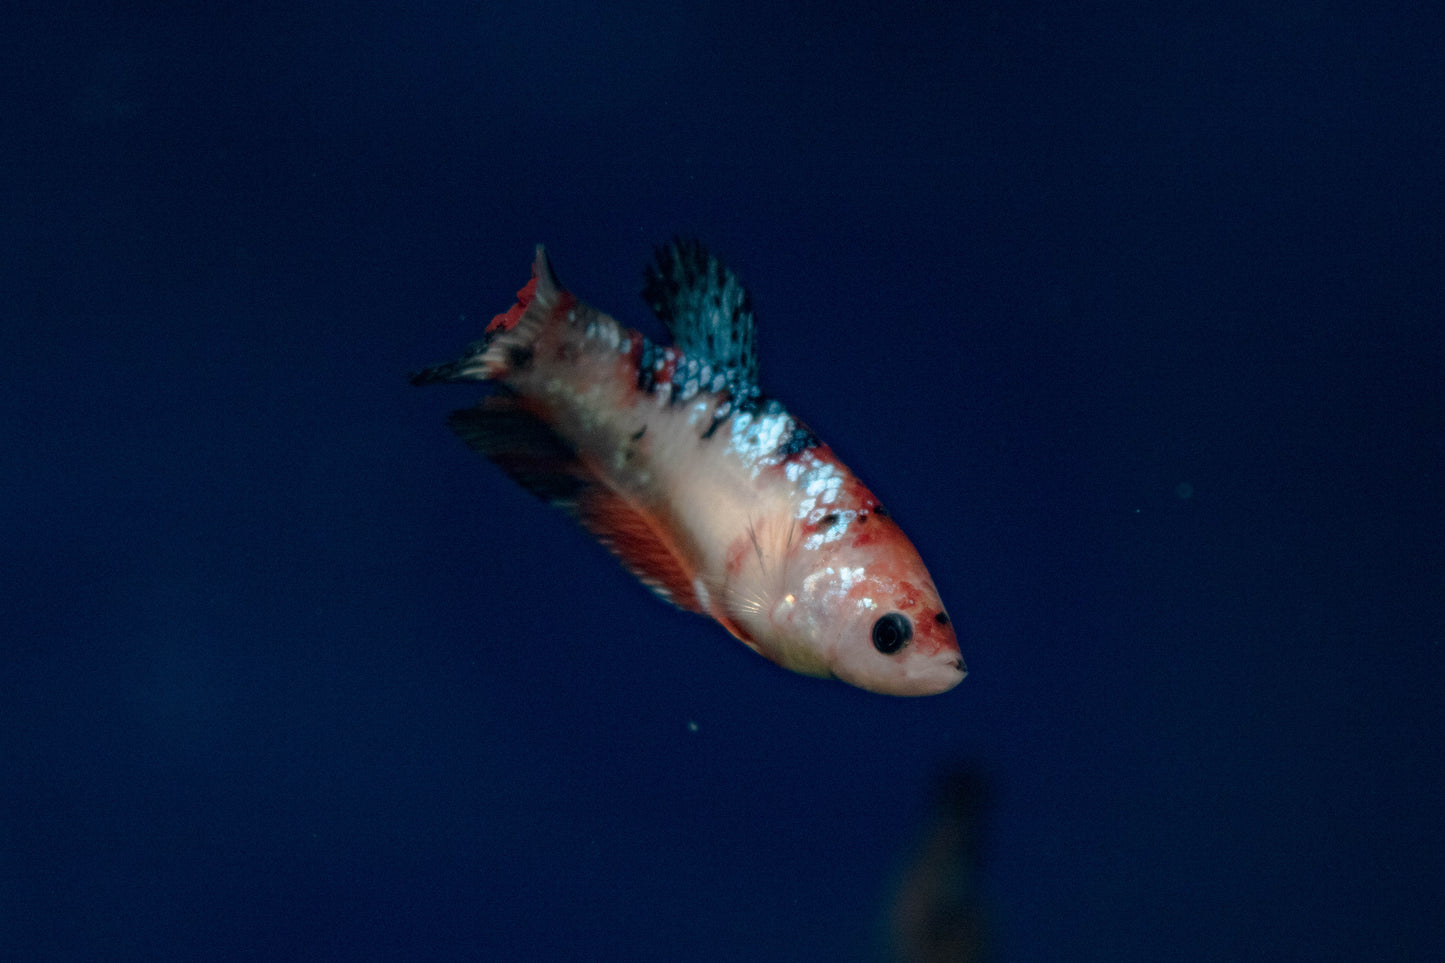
pixel 891 632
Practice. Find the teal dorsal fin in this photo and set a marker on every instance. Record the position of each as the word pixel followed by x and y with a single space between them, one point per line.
pixel 704 306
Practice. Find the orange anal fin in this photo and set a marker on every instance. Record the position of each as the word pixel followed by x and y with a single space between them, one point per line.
pixel 635 538
pixel 516 440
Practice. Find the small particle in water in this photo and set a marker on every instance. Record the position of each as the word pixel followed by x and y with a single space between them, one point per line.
pixel 1184 490
pixel 692 725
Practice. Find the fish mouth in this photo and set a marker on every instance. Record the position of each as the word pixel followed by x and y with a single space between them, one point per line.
pixel 943 674
pixel 933 675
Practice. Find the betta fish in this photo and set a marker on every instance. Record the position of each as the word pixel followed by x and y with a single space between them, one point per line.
pixel 704 487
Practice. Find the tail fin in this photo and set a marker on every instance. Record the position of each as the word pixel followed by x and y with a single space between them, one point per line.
pixel 507 342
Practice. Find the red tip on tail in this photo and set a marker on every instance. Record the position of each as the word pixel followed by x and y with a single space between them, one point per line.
pixel 508 319
pixel 543 287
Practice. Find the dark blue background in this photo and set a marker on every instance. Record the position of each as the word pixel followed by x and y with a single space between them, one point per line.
pixel 288 672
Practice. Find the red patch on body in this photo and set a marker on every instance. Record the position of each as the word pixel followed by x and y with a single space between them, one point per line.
pixel 867 535
pixel 634 360
pixel 737 551
pixel 928 635
pixel 669 366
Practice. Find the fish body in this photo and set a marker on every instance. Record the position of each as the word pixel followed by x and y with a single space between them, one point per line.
pixel 706 489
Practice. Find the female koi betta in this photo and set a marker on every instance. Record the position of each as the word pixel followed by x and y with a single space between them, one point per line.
pixel 704 487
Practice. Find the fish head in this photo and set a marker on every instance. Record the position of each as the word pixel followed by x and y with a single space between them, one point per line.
pixel 871 613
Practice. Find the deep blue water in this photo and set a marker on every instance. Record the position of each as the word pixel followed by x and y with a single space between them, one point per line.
pixel 1132 313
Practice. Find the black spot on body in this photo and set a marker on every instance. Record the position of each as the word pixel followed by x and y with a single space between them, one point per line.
pixel 519 357
pixel 799 440
pixel 739 396
pixel 721 414
pixel 941 618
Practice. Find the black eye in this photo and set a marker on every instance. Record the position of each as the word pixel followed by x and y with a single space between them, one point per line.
pixel 892 632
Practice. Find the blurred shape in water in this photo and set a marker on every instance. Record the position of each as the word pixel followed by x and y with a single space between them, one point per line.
pixel 938 911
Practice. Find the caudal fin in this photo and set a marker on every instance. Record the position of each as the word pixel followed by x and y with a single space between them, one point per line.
pixel 507 341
